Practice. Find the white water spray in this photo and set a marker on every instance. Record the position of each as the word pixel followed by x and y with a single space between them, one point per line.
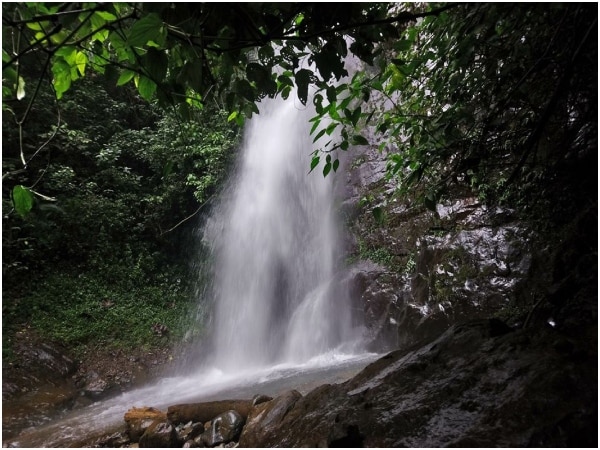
pixel 276 241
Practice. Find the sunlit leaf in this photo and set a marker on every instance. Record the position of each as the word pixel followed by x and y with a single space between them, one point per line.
pixel 61 77
pixel 81 60
pixel 21 89
pixel 125 77
pixel 106 15
pixel 146 88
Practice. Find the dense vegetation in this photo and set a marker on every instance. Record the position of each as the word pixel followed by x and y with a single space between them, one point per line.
pixel 500 99
pixel 102 256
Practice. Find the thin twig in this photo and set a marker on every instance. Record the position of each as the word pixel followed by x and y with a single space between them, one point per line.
pixel 188 217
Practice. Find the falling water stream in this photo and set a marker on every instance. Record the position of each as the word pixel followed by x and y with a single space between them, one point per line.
pixel 282 317
pixel 276 237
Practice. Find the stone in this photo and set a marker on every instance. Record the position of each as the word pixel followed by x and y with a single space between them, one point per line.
pixel 190 431
pixel 160 434
pixel 258 399
pixel 226 427
pixel 266 417
pixel 96 387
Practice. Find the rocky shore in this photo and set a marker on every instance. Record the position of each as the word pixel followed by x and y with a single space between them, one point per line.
pixel 480 384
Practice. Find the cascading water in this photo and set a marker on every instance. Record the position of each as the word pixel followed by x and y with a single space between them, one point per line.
pixel 276 241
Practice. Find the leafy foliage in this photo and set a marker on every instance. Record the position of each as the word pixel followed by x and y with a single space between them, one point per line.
pixel 478 96
pixel 187 53
pixel 122 183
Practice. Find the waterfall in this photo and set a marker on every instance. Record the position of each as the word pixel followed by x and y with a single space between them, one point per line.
pixel 282 317
pixel 277 293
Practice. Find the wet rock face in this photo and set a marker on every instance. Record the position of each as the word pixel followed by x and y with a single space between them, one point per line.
pixel 419 272
pixel 480 384
pixel 38 363
pixel 36 384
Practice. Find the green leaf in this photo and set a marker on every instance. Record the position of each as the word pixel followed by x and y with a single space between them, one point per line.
pixel 314 162
pixel 81 60
pixel 22 200
pixel 257 73
pixel 356 116
pixel 326 169
pixel 146 88
pixel 285 80
pixel 62 77
pixel 232 116
pixel 315 125
pixel 144 30
pixel 106 15
pixel 245 89
pixel 319 134
pixel 69 54
pixel 357 139
pixel 125 77
pixel 336 164
pixel 329 63
pixel 331 94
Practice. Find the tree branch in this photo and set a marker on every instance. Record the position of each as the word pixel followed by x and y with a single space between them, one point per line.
pixel 188 217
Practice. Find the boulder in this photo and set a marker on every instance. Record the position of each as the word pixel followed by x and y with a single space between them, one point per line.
pixel 266 417
pixel 160 434
pixel 226 427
